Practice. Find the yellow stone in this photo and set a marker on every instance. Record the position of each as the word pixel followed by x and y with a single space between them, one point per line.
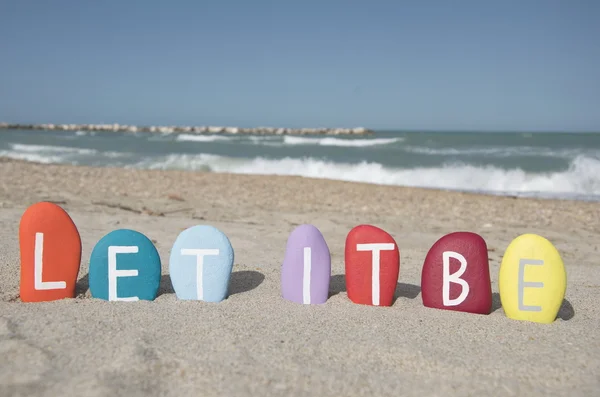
pixel 532 280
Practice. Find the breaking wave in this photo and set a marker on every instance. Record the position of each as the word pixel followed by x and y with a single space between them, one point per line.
pixel 497 151
pixel 290 140
pixel 582 178
pixel 328 141
pixel 56 154
pixel 202 138
pixel 18 147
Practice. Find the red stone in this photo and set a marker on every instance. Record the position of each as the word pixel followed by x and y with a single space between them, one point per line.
pixel 49 242
pixel 478 296
pixel 360 283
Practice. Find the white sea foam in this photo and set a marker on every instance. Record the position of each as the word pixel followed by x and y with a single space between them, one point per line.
pixel 258 139
pixel 278 141
pixel 270 140
pixel 202 138
pixel 33 157
pixel 496 151
pixel 56 154
pixel 25 148
pixel 581 178
pixel 84 133
pixel 329 141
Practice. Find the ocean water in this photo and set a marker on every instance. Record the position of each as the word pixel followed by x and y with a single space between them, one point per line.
pixel 547 165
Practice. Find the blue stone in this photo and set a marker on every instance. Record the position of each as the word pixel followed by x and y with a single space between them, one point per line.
pixel 201 263
pixel 124 266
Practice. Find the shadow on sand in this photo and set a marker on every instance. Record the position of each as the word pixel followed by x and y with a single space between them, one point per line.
pixel 82 285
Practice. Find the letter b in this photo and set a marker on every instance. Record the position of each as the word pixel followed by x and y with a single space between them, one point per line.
pixel 466 287
pixel 454 278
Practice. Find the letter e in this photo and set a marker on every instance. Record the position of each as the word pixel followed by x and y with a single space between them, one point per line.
pixel 113 273
pixel 523 284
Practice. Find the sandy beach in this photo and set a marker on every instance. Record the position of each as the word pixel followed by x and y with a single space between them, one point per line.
pixel 255 342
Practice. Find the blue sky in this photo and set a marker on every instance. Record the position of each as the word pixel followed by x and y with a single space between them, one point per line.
pixel 423 64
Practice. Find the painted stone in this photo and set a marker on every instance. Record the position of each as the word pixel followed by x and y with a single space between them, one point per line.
pixel 456 274
pixel 124 266
pixel 532 280
pixel 50 249
pixel 201 263
pixel 306 268
pixel 372 266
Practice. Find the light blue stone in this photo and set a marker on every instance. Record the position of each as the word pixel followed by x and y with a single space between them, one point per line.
pixel 131 252
pixel 208 250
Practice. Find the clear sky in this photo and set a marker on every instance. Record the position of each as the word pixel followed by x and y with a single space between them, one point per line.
pixel 421 64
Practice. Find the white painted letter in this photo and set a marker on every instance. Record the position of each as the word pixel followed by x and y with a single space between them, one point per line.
pixel 375 258
pixel 522 284
pixel 306 276
pixel 113 273
pixel 454 278
pixel 200 254
pixel 38 265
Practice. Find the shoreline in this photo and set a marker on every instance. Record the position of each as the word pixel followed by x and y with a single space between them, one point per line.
pixel 357 131
pixel 54 177
pixel 511 195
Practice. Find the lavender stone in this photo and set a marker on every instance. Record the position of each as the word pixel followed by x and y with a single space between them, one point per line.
pixel 306 269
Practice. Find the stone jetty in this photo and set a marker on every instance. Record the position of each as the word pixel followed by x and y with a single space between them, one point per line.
pixel 190 129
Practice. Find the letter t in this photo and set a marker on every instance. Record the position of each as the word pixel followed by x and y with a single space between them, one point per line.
pixel 200 254
pixel 375 248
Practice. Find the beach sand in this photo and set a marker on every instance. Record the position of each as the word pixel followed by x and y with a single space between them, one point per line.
pixel 255 342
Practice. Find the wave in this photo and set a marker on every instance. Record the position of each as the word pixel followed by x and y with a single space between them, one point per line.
pixel 202 138
pixel 279 141
pixel 84 133
pixel 263 138
pixel 328 141
pixel 20 147
pixel 268 140
pixel 33 157
pixel 497 151
pixel 47 154
pixel 581 178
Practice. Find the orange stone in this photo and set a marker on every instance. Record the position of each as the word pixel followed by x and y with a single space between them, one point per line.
pixel 50 253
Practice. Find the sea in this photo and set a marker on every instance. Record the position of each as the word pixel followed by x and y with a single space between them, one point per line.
pixel 544 165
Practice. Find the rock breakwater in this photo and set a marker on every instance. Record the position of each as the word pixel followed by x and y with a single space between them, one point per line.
pixel 190 129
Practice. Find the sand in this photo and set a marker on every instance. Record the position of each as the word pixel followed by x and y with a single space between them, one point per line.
pixel 255 342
